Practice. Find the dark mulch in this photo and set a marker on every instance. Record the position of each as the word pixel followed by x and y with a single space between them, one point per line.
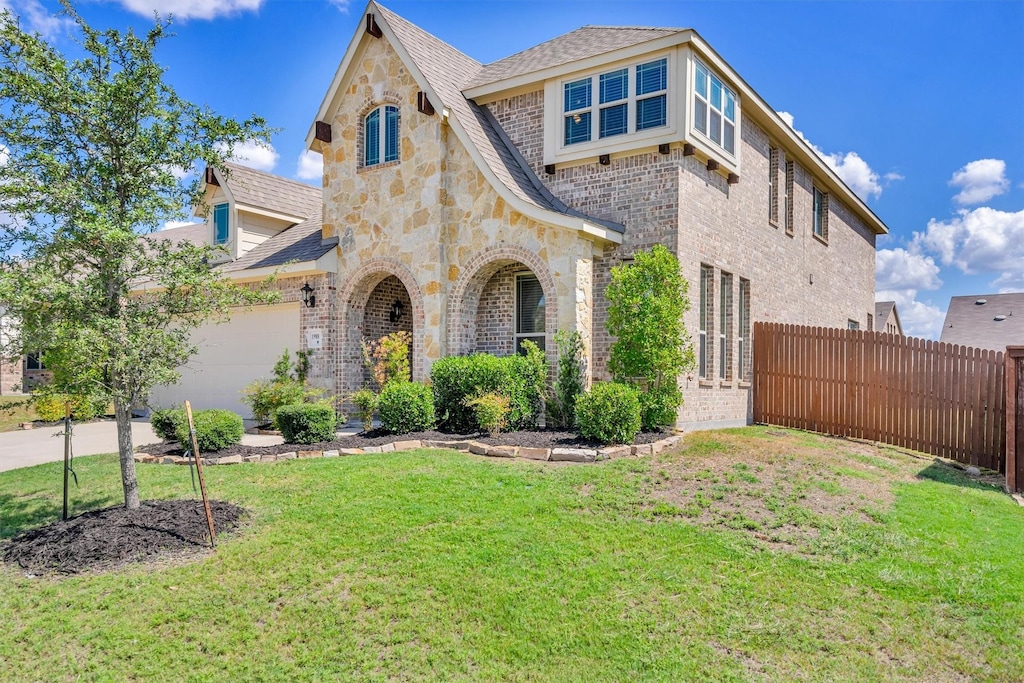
pixel 541 438
pixel 105 539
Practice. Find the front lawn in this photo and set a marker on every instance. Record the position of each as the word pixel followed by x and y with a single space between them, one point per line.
pixel 749 554
pixel 13 411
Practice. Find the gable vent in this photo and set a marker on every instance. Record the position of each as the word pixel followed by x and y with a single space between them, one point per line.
pixel 371 26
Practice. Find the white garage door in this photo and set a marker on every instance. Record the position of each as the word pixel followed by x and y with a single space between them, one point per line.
pixel 231 356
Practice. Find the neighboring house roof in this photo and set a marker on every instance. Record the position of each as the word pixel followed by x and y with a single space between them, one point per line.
pixel 884 309
pixel 588 41
pixel 196 233
pixel 994 324
pixel 260 190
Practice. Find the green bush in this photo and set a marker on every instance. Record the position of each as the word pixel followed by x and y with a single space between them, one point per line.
pixel 266 396
pixel 491 411
pixel 307 422
pixel 646 303
pixel 215 429
pixel 165 422
pixel 50 407
pixel 457 379
pixel 609 413
pixel 406 407
pixel 365 401
pixel 570 381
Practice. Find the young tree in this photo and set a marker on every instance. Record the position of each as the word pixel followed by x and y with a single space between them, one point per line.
pixel 646 302
pixel 92 156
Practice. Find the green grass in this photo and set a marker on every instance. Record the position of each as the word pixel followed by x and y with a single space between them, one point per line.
pixel 13 411
pixel 436 565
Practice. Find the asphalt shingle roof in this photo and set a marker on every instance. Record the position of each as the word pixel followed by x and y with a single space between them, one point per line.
pixel 582 43
pixel 447 71
pixel 302 242
pixel 272 192
pixel 972 324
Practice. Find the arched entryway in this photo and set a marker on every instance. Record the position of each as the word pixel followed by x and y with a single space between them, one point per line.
pixel 505 296
pixel 380 298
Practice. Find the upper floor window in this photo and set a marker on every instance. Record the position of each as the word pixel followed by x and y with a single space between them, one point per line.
pixel 380 136
pixel 820 214
pixel 221 224
pixel 788 207
pixel 714 109
pixel 619 109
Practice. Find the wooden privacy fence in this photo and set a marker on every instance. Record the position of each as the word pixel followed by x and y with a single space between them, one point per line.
pixel 943 399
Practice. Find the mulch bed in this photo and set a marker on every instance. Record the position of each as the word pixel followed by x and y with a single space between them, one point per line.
pixel 541 438
pixel 105 539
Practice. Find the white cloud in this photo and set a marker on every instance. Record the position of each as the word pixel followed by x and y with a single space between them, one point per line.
pixel 255 154
pixel 310 166
pixel 35 17
pixel 342 5
pixel 980 181
pixel 905 270
pixel 919 319
pixel 1009 283
pixel 5 155
pixel 190 9
pixel 850 167
pixel 982 240
pixel 892 176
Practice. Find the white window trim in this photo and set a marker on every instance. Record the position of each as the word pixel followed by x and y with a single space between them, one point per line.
pixel 691 93
pixel 705 147
pixel 555 149
pixel 382 136
pixel 517 336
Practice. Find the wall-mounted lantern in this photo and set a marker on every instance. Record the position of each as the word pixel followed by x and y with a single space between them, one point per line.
pixel 396 311
pixel 308 297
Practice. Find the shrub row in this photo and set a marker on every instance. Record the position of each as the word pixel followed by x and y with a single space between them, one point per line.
pixel 50 407
pixel 459 379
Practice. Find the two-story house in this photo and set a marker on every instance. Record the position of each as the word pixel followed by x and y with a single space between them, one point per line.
pixel 476 206
pixel 491 202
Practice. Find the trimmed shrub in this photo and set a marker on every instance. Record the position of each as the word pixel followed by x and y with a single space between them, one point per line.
pixel 609 413
pixel 491 411
pixel 457 379
pixel 50 407
pixel 365 401
pixel 265 397
pixel 406 407
pixel 307 422
pixel 658 407
pixel 571 379
pixel 165 422
pixel 215 429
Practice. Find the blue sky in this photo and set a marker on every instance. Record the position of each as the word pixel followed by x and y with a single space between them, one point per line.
pixel 919 105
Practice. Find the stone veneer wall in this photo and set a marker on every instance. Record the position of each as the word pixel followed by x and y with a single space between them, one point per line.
pixel 674 200
pixel 10 377
pixel 432 220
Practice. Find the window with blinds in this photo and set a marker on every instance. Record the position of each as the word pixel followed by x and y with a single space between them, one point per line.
pixel 529 311
pixel 221 224
pixel 380 136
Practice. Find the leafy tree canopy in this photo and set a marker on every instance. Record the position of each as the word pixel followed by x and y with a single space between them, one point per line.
pixel 96 153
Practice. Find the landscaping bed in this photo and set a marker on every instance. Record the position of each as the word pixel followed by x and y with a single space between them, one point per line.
pixel 539 439
pixel 108 538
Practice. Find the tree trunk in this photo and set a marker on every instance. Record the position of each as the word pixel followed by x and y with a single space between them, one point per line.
pixel 125 448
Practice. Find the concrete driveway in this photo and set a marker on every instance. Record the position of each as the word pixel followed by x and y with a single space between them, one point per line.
pixel 34 446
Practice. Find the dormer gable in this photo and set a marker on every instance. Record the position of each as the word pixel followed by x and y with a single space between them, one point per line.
pixel 244 207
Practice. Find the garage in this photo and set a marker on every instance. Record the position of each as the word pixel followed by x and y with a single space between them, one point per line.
pixel 231 356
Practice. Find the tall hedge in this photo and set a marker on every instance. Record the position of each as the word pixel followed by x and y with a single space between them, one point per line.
pixel 457 379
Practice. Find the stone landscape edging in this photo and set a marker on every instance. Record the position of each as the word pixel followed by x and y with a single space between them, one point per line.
pixel 540 454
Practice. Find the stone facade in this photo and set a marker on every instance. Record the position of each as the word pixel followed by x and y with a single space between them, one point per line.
pixel 434 222
pixel 10 377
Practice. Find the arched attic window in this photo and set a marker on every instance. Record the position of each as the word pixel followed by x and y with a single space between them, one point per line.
pixel 380 136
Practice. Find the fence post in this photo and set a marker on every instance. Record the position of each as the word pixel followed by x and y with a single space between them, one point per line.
pixel 1014 363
